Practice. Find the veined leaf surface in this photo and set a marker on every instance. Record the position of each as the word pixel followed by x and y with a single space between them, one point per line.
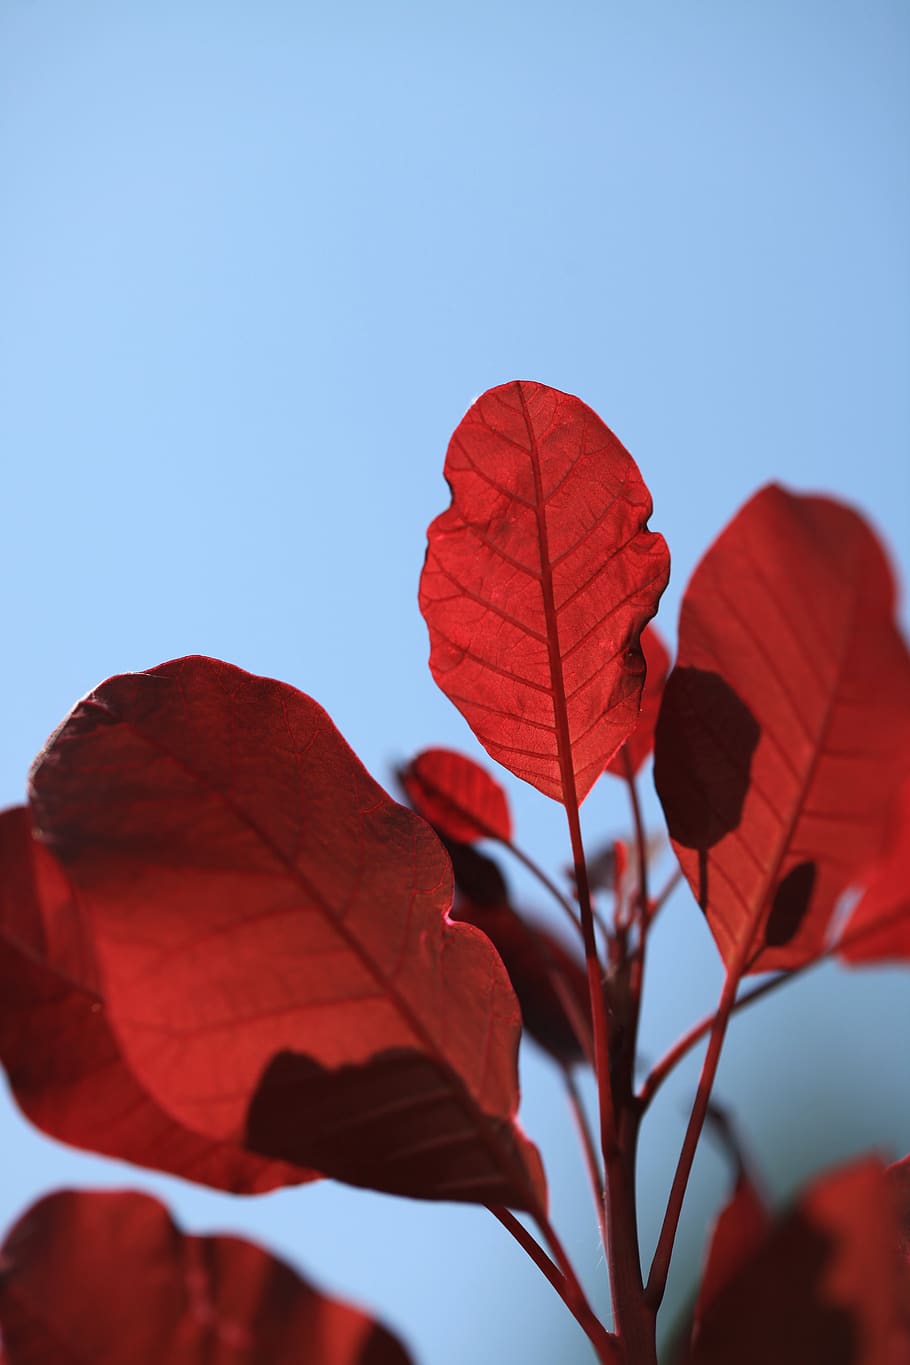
pixel 459 798
pixel 272 932
pixel 538 581
pixel 65 1066
pixel 785 725
pixel 641 741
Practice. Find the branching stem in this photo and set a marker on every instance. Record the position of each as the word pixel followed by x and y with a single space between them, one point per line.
pixel 685 1044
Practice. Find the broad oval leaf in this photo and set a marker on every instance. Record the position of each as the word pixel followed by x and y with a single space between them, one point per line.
pixel 538 581
pixel 879 928
pixel 641 741
pixel 785 725
pixel 268 922
pixel 65 1067
pixel 459 798
pixel 822 1288
pixel 87 1277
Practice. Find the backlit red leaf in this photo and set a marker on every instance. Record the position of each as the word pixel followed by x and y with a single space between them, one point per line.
pixel 538 581
pixel 879 928
pixel 822 1288
pixel 458 797
pixel 64 1064
pixel 641 741
pixel 107 1277
pixel 271 930
pixel 785 725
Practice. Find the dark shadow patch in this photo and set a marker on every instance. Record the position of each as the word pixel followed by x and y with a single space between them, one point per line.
pixel 477 877
pixel 774 1309
pixel 397 1123
pixel 791 904
pixel 704 743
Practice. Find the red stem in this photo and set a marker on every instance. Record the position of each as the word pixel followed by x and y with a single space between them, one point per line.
pixel 664 894
pixel 592 1163
pixel 642 911
pixel 595 989
pixel 545 881
pixel 684 1045
pixel 563 1279
pixel 657 1279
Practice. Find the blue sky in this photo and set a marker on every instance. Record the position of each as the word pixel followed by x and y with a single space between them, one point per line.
pixel 256 260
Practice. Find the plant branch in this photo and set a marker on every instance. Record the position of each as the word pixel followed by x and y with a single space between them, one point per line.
pixel 684 1045
pixel 545 881
pixel 642 915
pixel 633 1318
pixel 592 1162
pixel 657 1279
pixel 595 990
pixel 665 893
pixel 562 1277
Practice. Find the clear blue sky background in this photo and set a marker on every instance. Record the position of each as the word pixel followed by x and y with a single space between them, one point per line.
pixel 256 260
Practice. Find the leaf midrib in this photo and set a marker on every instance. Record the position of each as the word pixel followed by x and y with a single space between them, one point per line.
pixel 461 1094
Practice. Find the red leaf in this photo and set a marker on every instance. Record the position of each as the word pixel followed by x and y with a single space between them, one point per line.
pixel 823 1287
pixel 458 797
pixel 477 877
pixel 544 975
pixel 538 581
pixel 886 901
pixel 64 1064
pixel 272 932
pixel 741 1228
pixel 785 725
pixel 641 741
pixel 91 1277
pixel 899 1181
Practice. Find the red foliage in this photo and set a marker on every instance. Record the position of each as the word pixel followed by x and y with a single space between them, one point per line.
pixel 92 1277
pixel 741 1228
pixel 549 981
pixel 65 1065
pixel 879 928
pixel 458 797
pixel 227 953
pixel 641 741
pixel 822 1287
pixel 271 928
pixel 538 581
pixel 785 725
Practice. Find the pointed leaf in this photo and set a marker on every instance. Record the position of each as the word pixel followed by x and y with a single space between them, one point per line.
pixel 879 928
pixel 641 741
pixel 458 797
pixel 538 581
pixel 550 982
pixel 271 925
pixel 823 1288
pixel 785 725
pixel 92 1277
pixel 64 1064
